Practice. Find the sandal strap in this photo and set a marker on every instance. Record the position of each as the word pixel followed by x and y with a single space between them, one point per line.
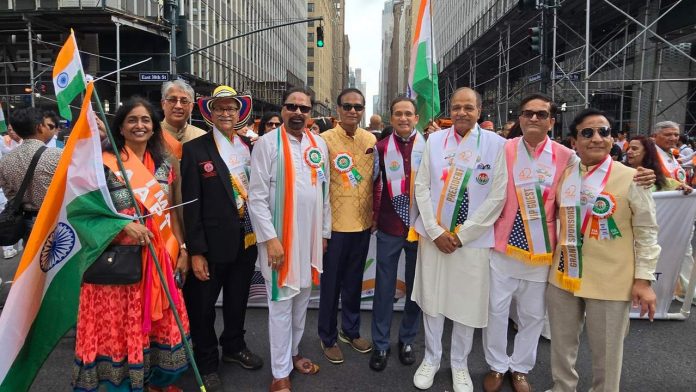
pixel 279 385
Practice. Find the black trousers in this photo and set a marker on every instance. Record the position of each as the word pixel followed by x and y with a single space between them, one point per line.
pixel 234 278
pixel 344 263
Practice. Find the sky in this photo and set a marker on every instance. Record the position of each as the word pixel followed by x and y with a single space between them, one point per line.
pixel 364 29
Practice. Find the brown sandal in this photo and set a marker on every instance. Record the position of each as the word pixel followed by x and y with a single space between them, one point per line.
pixel 280 385
pixel 304 365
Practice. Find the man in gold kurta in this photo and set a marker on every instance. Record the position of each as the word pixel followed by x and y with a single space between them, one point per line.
pixel 605 258
pixel 351 158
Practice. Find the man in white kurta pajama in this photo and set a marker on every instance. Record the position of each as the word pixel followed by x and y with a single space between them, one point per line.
pixel 460 190
pixel 291 215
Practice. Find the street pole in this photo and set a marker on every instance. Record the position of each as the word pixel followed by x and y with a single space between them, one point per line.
pixel 174 57
pixel 171 16
pixel 588 41
pixel 31 63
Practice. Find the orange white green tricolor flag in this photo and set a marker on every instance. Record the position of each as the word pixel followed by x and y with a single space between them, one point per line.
pixel 3 125
pixel 68 76
pixel 422 73
pixel 75 224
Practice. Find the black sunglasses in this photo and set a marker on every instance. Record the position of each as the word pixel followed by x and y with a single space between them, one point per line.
pixel 540 115
pixel 358 107
pixel 587 133
pixel 293 108
pixel 273 124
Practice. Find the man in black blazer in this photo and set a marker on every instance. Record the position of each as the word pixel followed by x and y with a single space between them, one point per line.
pixel 214 171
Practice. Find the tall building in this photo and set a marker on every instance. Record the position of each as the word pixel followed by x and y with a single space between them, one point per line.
pixel 397 33
pixel 638 78
pixel 112 33
pixel 324 65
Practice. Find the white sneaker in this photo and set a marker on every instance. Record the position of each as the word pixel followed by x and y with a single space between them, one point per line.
pixel 425 375
pixel 9 253
pixel 461 380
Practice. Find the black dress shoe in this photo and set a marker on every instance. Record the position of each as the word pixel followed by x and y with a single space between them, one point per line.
pixel 378 360
pixel 406 354
pixel 212 382
pixel 245 359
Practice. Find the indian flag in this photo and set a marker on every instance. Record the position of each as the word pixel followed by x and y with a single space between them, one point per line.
pixel 68 76
pixel 75 224
pixel 3 125
pixel 422 73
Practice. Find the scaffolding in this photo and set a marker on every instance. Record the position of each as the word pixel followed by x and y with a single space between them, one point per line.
pixel 618 55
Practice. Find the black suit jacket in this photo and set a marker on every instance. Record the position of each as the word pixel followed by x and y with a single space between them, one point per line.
pixel 212 224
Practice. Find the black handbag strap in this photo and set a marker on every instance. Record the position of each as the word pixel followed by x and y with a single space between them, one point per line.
pixel 17 200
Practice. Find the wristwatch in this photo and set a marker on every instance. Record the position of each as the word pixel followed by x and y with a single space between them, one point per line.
pixel 183 246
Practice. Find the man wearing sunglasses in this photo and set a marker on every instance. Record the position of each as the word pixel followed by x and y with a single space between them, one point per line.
pixel 460 190
pixel 605 258
pixel 50 121
pixel 351 162
pixel 177 106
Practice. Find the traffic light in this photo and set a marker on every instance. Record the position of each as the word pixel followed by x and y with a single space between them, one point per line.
pixel 527 4
pixel 320 37
pixel 535 40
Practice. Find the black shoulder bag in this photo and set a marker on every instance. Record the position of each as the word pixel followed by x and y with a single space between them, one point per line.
pixel 12 225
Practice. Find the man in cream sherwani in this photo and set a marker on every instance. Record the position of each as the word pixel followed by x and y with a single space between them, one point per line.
pixel 460 191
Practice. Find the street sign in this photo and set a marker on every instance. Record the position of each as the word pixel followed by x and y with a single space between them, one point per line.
pixel 153 76
pixel 534 78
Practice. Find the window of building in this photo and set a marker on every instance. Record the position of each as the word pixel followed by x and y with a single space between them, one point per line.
pixel 310 37
pixel 310 52
pixel 310 81
pixel 310 7
pixel 310 66
pixel 310 23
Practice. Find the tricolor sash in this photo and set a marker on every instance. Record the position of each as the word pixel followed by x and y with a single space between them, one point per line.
pixel 462 157
pixel 583 203
pixel 285 282
pixel 401 194
pixel 149 194
pixel 237 158
pixel 671 167
pixel 533 176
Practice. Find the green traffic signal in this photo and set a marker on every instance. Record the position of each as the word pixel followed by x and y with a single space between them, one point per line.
pixel 320 37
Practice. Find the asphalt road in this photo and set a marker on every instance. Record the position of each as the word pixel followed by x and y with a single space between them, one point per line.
pixel 659 356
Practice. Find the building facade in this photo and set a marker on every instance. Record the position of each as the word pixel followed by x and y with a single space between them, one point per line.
pixel 113 34
pixel 325 64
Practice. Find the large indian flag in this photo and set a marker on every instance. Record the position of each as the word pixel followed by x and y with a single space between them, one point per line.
pixel 68 76
pixel 75 224
pixel 3 125
pixel 422 73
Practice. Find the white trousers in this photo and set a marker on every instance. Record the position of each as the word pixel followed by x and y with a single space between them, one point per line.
pixel 462 339
pixel 286 322
pixel 531 309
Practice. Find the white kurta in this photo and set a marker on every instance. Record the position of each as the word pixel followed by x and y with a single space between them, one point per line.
pixel 262 188
pixel 456 285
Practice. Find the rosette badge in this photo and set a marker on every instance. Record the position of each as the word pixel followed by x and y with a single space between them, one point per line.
pixel 603 224
pixel 345 166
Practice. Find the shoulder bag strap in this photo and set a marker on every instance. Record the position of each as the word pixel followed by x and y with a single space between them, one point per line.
pixel 17 200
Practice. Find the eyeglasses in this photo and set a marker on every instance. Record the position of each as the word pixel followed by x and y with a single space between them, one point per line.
pixel 50 126
pixel 540 115
pixel 273 124
pixel 293 108
pixel 588 133
pixel 174 100
pixel 230 110
pixel 347 106
pixel 405 114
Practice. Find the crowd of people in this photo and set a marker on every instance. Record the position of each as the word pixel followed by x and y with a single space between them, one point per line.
pixel 483 218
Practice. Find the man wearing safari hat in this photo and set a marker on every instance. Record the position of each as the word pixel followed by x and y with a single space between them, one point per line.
pixel 219 236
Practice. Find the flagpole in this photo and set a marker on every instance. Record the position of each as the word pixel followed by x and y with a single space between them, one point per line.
pixel 187 346
pixel 433 62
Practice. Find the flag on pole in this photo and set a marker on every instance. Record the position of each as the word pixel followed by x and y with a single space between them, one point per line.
pixel 3 125
pixel 68 76
pixel 75 224
pixel 422 73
